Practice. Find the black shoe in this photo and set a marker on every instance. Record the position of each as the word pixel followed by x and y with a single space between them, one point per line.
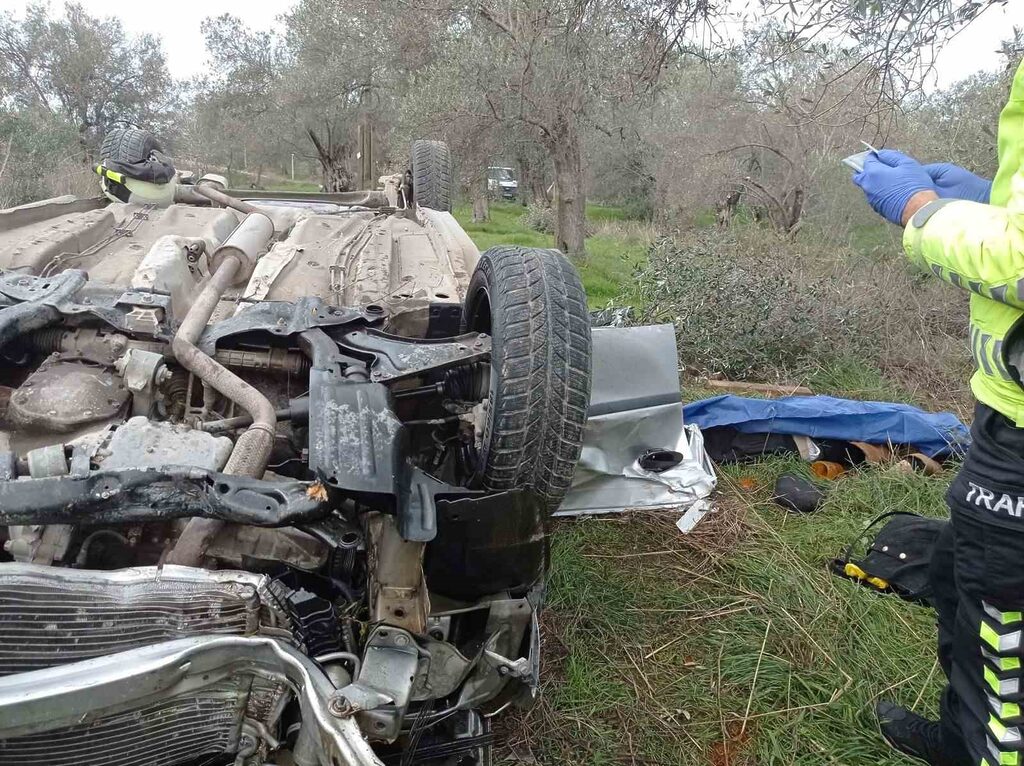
pixel 910 734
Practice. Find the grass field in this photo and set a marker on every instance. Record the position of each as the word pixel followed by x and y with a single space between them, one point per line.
pixel 613 251
pixel 734 645
pixel 240 179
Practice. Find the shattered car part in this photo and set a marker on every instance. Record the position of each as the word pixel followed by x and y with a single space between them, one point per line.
pixel 152 688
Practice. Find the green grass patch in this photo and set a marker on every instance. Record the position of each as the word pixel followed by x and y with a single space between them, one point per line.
pixel 240 179
pixel 612 253
pixel 875 239
pixel 504 227
pixel 733 645
pixel 606 213
pixel 854 379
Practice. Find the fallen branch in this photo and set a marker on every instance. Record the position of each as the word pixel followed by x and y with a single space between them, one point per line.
pixel 742 387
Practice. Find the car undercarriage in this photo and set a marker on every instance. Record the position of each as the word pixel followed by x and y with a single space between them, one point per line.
pixel 277 470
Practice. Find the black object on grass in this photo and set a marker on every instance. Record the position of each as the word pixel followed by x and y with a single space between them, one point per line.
pixel 797 494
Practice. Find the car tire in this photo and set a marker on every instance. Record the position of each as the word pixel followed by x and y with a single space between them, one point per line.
pixel 532 304
pixel 128 146
pixel 432 175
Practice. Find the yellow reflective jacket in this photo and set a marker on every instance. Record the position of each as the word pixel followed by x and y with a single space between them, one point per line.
pixel 980 248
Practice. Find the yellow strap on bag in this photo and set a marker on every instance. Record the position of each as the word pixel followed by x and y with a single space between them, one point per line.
pixel 852 570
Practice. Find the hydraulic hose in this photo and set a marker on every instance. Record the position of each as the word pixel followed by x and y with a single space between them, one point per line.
pixel 252 448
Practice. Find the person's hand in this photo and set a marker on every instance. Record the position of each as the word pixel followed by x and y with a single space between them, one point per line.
pixel 953 182
pixel 889 179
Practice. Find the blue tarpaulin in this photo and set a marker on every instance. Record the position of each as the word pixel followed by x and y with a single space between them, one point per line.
pixel 825 417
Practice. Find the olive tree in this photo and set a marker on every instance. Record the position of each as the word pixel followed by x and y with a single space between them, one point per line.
pixel 336 66
pixel 83 71
pixel 555 70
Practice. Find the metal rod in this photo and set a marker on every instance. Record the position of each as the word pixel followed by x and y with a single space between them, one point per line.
pixel 299 409
pixel 214 194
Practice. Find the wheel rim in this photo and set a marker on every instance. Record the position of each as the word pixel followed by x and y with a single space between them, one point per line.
pixel 479 319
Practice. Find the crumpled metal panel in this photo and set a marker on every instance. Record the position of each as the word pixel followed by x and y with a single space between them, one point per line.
pixel 635 407
pixel 53 699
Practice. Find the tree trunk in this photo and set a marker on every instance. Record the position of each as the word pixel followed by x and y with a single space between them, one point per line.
pixel 88 150
pixel 481 204
pixel 331 155
pixel 570 199
pixel 539 190
pixel 525 179
pixel 796 211
pixel 336 177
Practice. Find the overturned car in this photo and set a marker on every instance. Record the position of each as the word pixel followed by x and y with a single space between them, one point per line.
pixel 276 469
pixel 274 473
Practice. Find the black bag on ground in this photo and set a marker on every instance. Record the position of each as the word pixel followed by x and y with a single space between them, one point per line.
pixel 897 560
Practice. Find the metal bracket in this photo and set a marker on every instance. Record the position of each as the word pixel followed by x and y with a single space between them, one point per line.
pixel 395 357
pixel 141 370
pixel 283 318
pixel 135 496
pixel 380 694
pixel 110 304
pixel 398 593
pixel 513 668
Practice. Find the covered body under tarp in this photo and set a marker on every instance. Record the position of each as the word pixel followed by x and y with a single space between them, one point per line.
pixel 936 434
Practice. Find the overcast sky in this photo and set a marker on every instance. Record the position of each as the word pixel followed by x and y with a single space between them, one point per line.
pixel 177 22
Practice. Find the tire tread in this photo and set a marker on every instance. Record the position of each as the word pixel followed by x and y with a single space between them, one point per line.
pixel 543 357
pixel 432 175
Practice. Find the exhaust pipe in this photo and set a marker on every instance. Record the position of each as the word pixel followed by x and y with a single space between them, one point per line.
pixel 212 193
pixel 232 263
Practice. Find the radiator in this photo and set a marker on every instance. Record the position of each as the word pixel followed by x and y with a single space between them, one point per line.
pixel 182 728
pixel 51 616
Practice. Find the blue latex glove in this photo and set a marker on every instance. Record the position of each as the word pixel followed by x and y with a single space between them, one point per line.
pixel 889 180
pixel 953 182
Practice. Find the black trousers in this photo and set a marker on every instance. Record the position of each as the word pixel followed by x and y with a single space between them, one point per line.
pixel 978 578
